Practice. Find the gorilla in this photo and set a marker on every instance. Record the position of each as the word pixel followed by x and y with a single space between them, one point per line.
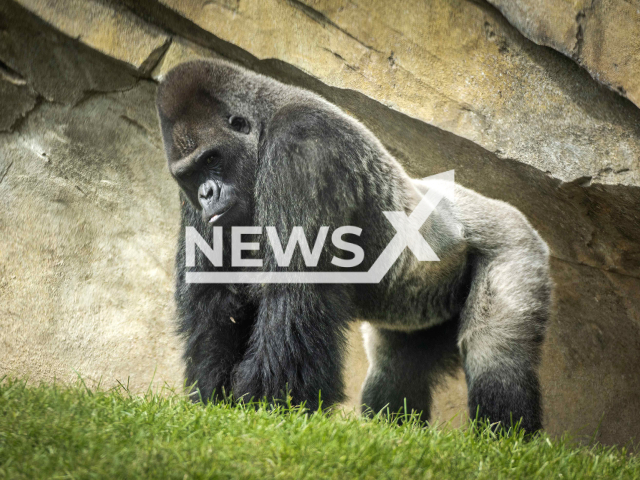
pixel 247 150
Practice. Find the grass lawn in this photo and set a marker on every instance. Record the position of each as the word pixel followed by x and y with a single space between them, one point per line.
pixel 70 432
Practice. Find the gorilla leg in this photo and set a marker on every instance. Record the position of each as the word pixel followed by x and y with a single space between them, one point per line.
pixel 405 367
pixel 297 346
pixel 502 328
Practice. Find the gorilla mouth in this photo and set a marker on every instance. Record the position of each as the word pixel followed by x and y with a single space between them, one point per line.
pixel 216 216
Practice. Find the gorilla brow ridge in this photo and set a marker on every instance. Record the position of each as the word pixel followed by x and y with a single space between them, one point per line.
pixel 182 140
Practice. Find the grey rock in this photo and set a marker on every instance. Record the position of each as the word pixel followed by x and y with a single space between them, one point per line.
pixel 87 230
pixel 600 36
pixel 54 65
pixel 107 28
pixel 16 99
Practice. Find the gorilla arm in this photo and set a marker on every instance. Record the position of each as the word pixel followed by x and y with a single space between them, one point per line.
pixel 214 320
pixel 298 340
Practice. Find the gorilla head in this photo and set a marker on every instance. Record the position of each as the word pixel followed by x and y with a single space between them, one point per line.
pixel 211 136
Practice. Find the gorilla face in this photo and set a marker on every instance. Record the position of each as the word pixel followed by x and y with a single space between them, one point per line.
pixel 214 175
pixel 213 154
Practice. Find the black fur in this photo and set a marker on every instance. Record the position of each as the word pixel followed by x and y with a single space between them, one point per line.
pixel 505 398
pixel 215 320
pixel 425 356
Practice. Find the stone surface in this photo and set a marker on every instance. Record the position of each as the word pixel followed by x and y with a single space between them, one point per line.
pixel 181 51
pixel 55 66
pixel 589 373
pixel 106 28
pixel 17 100
pixel 601 35
pixel 89 212
pixel 457 65
pixel 546 22
pixel 87 230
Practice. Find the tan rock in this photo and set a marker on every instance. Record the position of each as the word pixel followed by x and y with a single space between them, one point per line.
pixel 53 65
pixel 611 45
pixel 180 51
pixel 546 22
pixel 108 29
pixel 454 64
pixel 602 36
pixel 88 229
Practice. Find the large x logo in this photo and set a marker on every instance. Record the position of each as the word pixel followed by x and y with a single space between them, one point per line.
pixel 408 227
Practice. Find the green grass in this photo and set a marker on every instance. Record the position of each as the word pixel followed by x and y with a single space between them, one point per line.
pixel 71 432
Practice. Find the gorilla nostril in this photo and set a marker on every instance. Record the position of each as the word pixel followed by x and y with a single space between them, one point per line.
pixel 207 192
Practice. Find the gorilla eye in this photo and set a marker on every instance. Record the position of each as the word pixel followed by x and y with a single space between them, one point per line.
pixel 212 162
pixel 239 124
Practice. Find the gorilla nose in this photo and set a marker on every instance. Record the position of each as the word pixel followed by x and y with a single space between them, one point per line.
pixel 208 194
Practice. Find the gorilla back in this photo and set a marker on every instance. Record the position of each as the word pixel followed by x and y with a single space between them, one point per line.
pixel 248 150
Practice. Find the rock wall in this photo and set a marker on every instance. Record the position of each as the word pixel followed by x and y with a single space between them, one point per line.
pixel 89 213
pixel 601 35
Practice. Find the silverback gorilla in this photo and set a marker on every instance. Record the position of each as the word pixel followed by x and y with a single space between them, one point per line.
pixel 247 150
